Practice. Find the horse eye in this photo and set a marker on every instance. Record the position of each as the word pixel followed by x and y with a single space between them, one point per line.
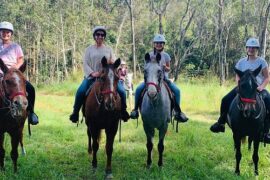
pixel 8 81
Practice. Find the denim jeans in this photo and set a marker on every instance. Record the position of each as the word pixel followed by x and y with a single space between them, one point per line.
pixel 86 83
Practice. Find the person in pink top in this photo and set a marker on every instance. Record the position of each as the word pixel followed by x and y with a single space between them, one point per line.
pixel 12 55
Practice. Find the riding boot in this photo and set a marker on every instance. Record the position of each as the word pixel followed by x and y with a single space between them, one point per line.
pixel 219 126
pixel 124 113
pixel 135 113
pixel 179 115
pixel 74 117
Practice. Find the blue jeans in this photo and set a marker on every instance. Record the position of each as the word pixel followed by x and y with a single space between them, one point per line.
pixel 171 85
pixel 122 93
pixel 86 83
pixel 176 91
pixel 81 93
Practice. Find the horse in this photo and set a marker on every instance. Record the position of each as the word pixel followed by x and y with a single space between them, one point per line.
pixel 155 107
pixel 103 111
pixel 246 115
pixel 13 113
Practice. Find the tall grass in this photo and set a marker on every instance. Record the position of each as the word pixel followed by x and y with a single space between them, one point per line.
pixel 57 148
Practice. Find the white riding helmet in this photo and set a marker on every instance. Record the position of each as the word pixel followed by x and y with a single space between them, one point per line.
pixel 123 62
pixel 159 38
pixel 99 28
pixel 6 26
pixel 253 42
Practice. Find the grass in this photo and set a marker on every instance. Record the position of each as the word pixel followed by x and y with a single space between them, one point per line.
pixel 57 148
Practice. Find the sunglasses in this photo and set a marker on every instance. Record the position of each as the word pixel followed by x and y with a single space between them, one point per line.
pixel 100 34
pixel 159 43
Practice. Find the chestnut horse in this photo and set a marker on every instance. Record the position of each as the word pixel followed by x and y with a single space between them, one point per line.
pixel 102 111
pixel 13 104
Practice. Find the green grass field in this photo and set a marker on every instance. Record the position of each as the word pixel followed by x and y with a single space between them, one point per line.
pixel 57 148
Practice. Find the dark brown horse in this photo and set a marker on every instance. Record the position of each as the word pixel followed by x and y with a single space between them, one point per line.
pixel 13 104
pixel 102 111
pixel 246 115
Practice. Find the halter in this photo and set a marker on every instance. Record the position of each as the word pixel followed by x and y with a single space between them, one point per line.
pixel 108 92
pixel 154 84
pixel 248 100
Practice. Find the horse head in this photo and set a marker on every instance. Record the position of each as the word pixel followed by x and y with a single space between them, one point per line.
pixel 153 75
pixel 13 90
pixel 109 80
pixel 247 90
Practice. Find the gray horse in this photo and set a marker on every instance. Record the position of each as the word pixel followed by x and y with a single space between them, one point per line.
pixel 156 106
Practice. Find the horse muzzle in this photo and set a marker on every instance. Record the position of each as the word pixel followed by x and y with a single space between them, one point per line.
pixel 19 106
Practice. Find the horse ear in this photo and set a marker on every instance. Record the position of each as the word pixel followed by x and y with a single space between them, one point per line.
pixel 23 66
pixel 104 62
pixel 158 57
pixel 3 67
pixel 147 57
pixel 238 72
pixel 257 71
pixel 117 63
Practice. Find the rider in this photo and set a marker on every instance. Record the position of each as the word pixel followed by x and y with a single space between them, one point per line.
pixel 92 66
pixel 12 55
pixel 252 61
pixel 159 42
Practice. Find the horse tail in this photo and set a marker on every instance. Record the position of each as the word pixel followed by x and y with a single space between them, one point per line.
pixel 244 140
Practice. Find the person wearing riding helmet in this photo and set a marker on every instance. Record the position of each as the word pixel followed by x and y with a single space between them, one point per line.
pixel 251 62
pixel 159 42
pixel 92 68
pixel 12 55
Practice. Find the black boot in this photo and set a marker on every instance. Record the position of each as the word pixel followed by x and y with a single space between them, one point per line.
pixel 124 113
pixel 134 114
pixel 219 126
pixel 32 118
pixel 179 115
pixel 74 117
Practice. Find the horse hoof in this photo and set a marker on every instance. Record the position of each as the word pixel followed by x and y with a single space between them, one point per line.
pixel 237 173
pixel 23 152
pixel 148 166
pixel 109 176
pixel 256 173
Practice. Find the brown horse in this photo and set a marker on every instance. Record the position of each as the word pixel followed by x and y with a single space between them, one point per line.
pixel 102 111
pixel 13 104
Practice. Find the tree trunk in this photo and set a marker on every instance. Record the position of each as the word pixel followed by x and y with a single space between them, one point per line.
pixel 264 32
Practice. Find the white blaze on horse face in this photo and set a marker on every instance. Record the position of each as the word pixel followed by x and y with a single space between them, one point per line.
pixel 111 79
pixel 152 73
pixel 19 98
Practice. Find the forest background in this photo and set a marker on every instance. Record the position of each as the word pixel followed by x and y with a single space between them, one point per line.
pixel 203 36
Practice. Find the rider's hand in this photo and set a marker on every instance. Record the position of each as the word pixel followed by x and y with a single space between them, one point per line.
pixel 260 88
pixel 95 74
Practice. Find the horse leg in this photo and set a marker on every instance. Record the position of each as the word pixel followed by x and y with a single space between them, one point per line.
pixel 162 133
pixel 21 142
pixel 89 141
pixel 238 155
pixel 110 135
pixel 255 155
pixel 150 132
pixel 2 152
pixel 95 137
pixel 14 150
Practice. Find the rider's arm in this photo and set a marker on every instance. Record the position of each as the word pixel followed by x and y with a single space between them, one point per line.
pixel 237 78
pixel 265 73
pixel 19 63
pixel 167 66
